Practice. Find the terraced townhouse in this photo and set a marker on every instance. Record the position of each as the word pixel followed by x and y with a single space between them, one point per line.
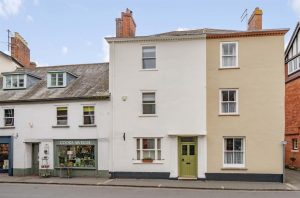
pixel 196 104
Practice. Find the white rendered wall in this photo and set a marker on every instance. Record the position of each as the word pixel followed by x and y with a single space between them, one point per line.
pixel 180 85
pixel 7 65
pixel 34 121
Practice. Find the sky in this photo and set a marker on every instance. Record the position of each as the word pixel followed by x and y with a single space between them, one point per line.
pixel 72 31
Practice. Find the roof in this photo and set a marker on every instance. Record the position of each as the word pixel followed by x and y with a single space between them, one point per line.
pixel 11 58
pixel 91 83
pixel 208 33
pixel 293 37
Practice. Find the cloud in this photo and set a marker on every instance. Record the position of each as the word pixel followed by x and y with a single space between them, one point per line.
pixel 36 2
pixel 64 50
pixel 105 51
pixel 29 18
pixel 182 29
pixel 296 6
pixel 10 7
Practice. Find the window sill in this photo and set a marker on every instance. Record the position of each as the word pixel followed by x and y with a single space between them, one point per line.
pixel 148 69
pixel 234 168
pixel 7 127
pixel 61 126
pixel 88 125
pixel 153 162
pixel 294 151
pixel 229 114
pixel 148 115
pixel 224 68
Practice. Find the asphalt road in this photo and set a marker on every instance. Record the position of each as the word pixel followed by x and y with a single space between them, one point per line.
pixel 61 191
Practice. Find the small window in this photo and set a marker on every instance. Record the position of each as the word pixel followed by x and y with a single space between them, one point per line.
pixel 57 79
pixel 62 115
pixel 295 144
pixel 14 81
pixel 149 103
pixel 234 152
pixel 149 57
pixel 229 54
pixel 228 101
pixel 88 115
pixel 9 117
pixel 148 148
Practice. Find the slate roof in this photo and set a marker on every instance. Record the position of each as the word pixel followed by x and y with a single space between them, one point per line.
pixel 91 83
pixel 196 32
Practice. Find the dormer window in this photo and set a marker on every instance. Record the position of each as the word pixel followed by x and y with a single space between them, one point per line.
pixel 14 81
pixel 56 79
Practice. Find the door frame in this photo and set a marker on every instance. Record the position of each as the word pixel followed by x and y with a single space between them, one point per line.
pixel 179 151
pixel 9 140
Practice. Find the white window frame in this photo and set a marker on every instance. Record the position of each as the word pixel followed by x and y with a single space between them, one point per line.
pixel 67 116
pixel 18 81
pixel 243 150
pixel 237 55
pixel 293 65
pixel 155 58
pixel 140 148
pixel 92 124
pixel 49 84
pixel 142 102
pixel 295 144
pixel 221 101
pixel 4 118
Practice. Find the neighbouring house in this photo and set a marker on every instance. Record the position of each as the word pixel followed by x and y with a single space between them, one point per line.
pixel 19 55
pixel 292 103
pixel 203 103
pixel 55 119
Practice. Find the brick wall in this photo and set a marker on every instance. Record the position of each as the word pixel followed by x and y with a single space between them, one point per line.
pixel 20 51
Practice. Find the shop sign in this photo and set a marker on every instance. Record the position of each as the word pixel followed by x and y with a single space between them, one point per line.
pixel 75 142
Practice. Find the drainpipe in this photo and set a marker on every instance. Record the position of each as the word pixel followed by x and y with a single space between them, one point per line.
pixel 283 160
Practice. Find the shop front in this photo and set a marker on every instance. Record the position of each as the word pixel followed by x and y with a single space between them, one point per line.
pixel 6 155
pixel 75 158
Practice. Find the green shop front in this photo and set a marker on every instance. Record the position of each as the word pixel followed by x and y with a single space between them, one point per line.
pixel 76 158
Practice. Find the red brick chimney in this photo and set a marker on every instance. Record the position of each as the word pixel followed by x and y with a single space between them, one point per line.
pixel 125 26
pixel 255 21
pixel 20 51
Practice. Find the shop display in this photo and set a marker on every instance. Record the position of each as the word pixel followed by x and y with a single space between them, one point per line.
pixel 4 162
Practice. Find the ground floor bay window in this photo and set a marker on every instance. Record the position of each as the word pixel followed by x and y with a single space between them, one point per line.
pixel 148 149
pixel 234 152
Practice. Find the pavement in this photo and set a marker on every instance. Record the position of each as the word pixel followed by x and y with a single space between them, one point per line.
pixel 292 183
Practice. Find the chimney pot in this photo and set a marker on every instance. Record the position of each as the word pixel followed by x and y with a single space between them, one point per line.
pixel 125 26
pixel 255 21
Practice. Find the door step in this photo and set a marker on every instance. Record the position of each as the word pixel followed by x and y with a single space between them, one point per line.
pixel 187 178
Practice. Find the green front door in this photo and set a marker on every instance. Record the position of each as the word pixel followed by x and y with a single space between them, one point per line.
pixel 187 157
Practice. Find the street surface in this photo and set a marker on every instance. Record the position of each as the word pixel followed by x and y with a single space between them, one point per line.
pixel 65 191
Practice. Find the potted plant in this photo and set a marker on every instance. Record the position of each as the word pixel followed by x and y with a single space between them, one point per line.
pixel 148 160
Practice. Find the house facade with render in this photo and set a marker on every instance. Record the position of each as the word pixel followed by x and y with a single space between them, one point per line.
pixel 196 104
pixel 57 119
pixel 292 105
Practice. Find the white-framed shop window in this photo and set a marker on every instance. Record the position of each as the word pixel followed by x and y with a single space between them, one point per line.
pixel 229 55
pixel 148 148
pixel 234 152
pixel 228 102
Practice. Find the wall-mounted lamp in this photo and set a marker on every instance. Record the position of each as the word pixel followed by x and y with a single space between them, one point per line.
pixel 124 136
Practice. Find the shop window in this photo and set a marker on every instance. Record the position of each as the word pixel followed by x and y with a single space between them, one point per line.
pixel 62 115
pixel 88 115
pixel 9 117
pixel 148 148
pixel 81 156
pixel 4 162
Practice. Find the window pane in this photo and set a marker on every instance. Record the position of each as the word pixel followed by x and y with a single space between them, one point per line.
pixel 149 63
pixel 62 111
pixel 192 149
pixel 232 107
pixel 137 143
pixel 225 95
pixel 62 121
pixel 148 144
pixel 238 144
pixel 8 81
pixel 158 155
pixel 88 110
pixel 225 107
pixel 148 108
pixel 148 97
pixel 138 157
pixel 8 112
pixel 88 120
pixel 14 81
pixel 184 150
pixel 149 154
pixel 229 144
pixel 238 158
pixel 158 143
pixel 232 95
pixel 228 158
pixel 148 52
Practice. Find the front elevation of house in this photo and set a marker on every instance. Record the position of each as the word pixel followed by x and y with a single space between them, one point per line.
pixel 202 103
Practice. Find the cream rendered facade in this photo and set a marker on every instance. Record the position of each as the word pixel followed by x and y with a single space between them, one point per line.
pixel 6 64
pixel 179 83
pixel 259 79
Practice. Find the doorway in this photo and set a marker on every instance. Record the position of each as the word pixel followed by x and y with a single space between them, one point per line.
pixel 35 159
pixel 187 156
